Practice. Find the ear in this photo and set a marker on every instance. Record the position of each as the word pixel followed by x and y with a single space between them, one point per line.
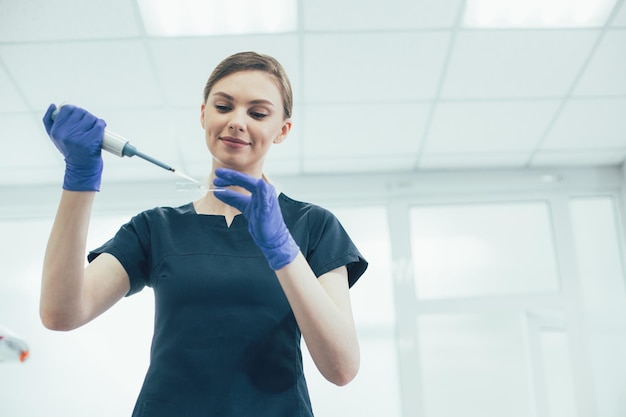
pixel 284 131
pixel 202 115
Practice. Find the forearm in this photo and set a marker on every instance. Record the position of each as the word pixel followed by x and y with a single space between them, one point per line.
pixel 63 268
pixel 327 324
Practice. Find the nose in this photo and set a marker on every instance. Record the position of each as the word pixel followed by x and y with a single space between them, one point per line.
pixel 234 126
pixel 236 122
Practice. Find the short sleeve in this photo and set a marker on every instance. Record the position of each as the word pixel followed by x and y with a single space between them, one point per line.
pixel 130 246
pixel 331 247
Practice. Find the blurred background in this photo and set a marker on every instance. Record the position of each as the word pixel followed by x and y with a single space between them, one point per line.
pixel 473 149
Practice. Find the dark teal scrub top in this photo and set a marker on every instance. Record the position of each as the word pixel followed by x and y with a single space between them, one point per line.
pixel 226 342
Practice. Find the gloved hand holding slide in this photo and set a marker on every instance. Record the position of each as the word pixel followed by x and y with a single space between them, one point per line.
pixel 261 209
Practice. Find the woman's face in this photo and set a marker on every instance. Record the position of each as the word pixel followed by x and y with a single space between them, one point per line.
pixel 242 118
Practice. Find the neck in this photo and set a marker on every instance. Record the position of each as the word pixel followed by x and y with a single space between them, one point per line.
pixel 211 205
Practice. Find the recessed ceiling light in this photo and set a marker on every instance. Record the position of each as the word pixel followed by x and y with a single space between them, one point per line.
pixel 537 13
pixel 211 17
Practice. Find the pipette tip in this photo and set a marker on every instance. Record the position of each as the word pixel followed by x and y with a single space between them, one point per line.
pixel 186 186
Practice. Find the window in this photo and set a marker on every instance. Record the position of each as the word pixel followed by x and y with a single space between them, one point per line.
pixel 473 250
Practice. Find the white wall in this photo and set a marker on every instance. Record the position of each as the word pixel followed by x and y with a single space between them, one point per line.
pixel 536 341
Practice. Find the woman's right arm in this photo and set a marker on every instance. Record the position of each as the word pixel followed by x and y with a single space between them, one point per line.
pixel 72 295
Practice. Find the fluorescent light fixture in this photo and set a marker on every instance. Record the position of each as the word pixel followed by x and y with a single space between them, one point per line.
pixel 537 13
pixel 211 17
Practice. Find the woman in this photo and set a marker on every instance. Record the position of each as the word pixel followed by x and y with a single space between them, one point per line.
pixel 238 275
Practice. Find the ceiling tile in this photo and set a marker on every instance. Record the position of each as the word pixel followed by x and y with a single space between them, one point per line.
pixel 190 136
pixel 620 18
pixel 362 93
pixel 587 157
pixel 25 146
pixel 150 130
pixel 606 72
pixel 361 130
pixel 589 124
pixel 372 67
pixel 472 160
pixel 489 126
pixel 88 74
pixel 514 63
pixel 184 65
pixel 320 15
pixel 10 99
pixel 28 21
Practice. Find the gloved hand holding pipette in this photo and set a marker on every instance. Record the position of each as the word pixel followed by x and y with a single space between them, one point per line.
pixel 77 134
pixel 80 136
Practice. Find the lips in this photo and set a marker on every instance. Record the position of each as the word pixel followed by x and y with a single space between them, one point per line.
pixel 234 142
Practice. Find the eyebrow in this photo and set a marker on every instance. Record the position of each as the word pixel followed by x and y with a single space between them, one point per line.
pixel 231 98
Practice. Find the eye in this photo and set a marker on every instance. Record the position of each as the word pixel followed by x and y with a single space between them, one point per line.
pixel 222 108
pixel 258 115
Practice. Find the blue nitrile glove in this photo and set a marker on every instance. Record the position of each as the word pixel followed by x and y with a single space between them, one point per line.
pixel 77 134
pixel 261 209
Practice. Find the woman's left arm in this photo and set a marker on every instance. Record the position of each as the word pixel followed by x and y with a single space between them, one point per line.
pixel 321 305
pixel 324 314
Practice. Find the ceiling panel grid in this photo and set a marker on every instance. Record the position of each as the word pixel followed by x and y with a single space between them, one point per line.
pixel 380 86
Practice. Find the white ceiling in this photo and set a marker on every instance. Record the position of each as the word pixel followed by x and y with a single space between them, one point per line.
pixel 380 86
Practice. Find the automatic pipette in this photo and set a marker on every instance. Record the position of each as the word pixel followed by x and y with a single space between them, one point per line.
pixel 120 146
